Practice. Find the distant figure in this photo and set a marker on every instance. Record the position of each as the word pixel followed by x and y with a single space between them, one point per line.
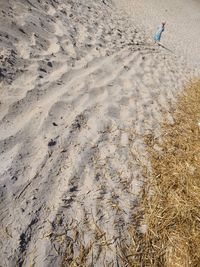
pixel 159 32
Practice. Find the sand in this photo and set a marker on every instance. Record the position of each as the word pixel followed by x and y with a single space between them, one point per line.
pixel 182 24
pixel 81 85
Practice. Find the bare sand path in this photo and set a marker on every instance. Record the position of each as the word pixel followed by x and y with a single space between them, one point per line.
pixel 81 85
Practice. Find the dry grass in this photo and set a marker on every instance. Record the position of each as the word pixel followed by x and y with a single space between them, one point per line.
pixel 78 254
pixel 172 211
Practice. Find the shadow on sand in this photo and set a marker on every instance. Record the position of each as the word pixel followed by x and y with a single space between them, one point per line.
pixel 165 47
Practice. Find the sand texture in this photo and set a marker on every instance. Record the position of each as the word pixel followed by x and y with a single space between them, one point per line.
pixel 81 85
pixel 182 24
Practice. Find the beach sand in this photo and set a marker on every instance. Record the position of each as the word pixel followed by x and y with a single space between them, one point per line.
pixel 82 84
pixel 182 24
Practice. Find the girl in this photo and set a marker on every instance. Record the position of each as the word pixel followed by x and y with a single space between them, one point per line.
pixel 159 32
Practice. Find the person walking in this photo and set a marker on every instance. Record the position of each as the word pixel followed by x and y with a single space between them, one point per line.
pixel 159 32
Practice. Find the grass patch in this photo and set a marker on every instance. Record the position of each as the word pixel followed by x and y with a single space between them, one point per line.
pixel 171 204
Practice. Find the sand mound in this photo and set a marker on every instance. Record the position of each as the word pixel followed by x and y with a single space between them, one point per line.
pixel 81 86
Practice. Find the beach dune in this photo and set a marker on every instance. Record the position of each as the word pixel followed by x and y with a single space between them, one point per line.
pixel 81 85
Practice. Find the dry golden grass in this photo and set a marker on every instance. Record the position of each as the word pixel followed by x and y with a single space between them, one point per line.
pixel 171 204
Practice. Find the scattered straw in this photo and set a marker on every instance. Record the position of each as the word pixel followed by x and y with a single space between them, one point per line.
pixel 172 212
pixel 171 199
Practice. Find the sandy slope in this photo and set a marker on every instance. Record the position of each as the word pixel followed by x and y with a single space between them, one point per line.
pixel 182 34
pixel 80 87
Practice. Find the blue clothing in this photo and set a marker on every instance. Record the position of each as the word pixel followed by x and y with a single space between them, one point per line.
pixel 158 34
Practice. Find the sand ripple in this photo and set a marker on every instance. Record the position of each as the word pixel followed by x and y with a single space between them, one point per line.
pixel 80 89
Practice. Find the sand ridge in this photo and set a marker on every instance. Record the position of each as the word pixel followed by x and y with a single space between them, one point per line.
pixel 80 87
